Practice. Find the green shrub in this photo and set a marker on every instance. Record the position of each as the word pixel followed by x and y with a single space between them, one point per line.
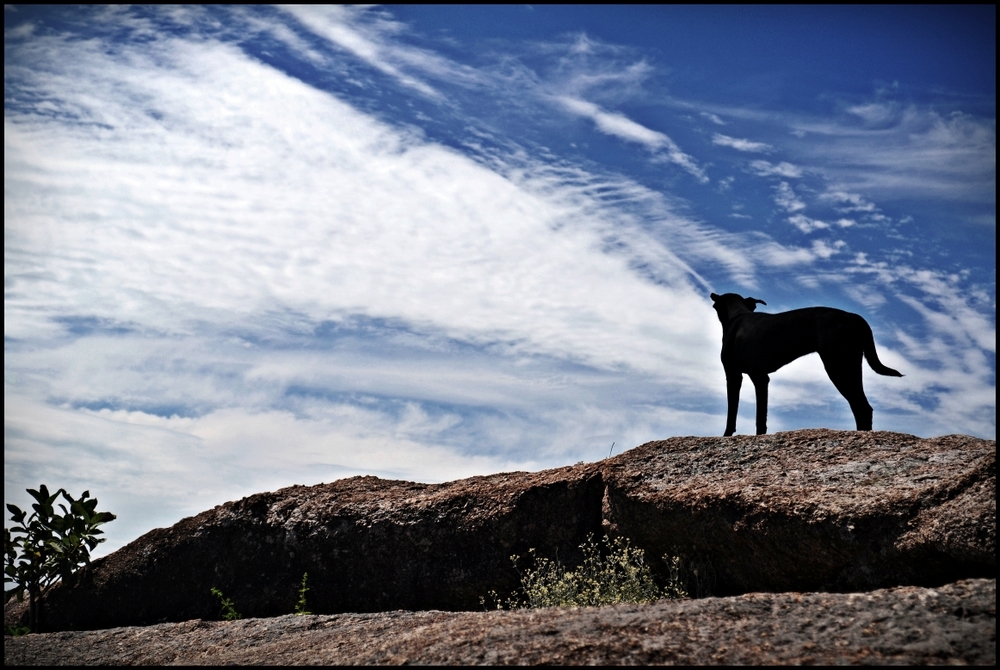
pixel 48 547
pixel 300 607
pixel 229 612
pixel 621 575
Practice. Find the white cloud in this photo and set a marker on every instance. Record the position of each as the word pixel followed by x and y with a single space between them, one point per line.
pixel 739 144
pixel 850 202
pixel 912 152
pixel 624 128
pixel 875 113
pixel 951 363
pixel 785 198
pixel 339 25
pixel 824 249
pixel 765 169
pixel 868 296
pixel 588 67
pixel 374 40
pixel 616 124
pixel 452 227
pixel 807 224
pixel 780 256
pixel 954 317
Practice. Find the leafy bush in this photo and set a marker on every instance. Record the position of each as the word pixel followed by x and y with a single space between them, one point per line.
pixel 619 576
pixel 47 547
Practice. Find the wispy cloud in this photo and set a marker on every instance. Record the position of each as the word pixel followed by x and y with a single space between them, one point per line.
pixel 587 68
pixel 618 125
pixel 740 144
pixel 906 151
pixel 952 363
pixel 876 113
pixel 340 26
pixel 806 224
pixel 786 199
pixel 947 307
pixel 849 202
pixel 883 148
pixel 374 40
pixel 765 169
pixel 824 249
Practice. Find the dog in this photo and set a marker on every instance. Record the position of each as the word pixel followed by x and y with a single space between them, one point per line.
pixel 759 344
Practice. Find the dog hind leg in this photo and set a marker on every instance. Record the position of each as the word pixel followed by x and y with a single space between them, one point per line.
pixel 845 373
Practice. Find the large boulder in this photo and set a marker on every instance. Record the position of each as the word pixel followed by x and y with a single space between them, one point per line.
pixel 813 510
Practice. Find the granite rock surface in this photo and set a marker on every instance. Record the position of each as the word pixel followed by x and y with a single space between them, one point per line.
pixel 953 624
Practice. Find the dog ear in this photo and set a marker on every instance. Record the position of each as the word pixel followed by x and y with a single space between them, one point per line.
pixel 714 297
pixel 751 303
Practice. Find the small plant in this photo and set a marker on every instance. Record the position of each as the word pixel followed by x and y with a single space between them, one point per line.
pixel 48 547
pixel 229 612
pixel 301 607
pixel 620 576
pixel 674 588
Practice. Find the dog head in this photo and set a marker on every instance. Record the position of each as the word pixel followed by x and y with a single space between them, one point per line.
pixel 729 305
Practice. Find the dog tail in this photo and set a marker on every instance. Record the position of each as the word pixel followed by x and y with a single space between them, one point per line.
pixel 872 357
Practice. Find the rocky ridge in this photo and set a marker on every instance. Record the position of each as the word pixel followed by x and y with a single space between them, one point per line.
pixel 813 510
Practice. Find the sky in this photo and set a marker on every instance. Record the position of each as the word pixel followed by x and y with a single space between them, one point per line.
pixel 252 247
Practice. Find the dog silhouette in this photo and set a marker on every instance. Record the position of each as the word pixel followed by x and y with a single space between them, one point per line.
pixel 759 344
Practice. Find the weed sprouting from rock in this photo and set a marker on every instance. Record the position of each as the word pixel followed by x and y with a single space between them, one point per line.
pixel 300 607
pixel 621 575
pixel 229 612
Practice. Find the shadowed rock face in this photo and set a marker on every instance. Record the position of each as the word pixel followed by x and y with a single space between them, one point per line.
pixel 813 510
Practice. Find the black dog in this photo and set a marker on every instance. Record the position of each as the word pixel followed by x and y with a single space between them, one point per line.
pixel 759 344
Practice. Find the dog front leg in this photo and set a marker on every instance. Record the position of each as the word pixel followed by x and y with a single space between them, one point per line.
pixel 760 385
pixel 734 380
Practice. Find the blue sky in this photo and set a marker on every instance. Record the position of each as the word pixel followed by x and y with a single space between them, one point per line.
pixel 250 247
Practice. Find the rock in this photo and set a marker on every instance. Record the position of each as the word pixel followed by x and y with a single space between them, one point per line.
pixel 952 624
pixel 812 510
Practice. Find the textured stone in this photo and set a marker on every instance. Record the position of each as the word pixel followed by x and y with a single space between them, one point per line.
pixel 813 510
pixel 953 624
